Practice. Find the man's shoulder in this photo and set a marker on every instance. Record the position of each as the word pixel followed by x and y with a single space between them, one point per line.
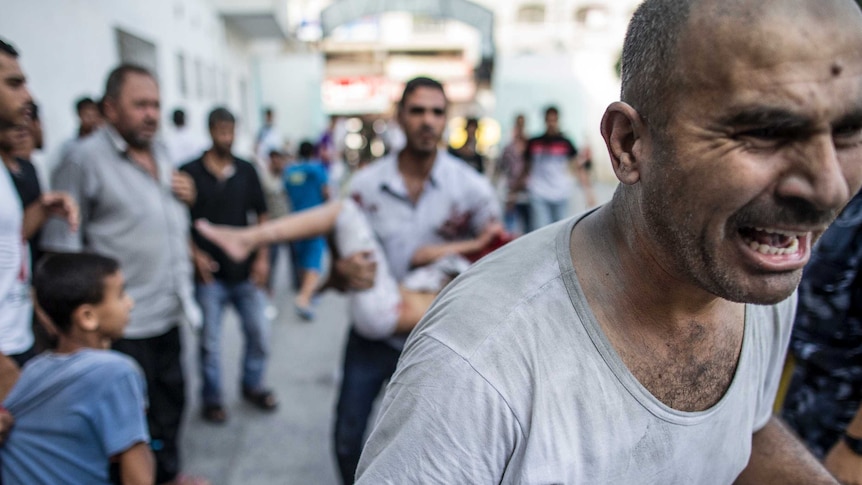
pixel 505 293
pixel 456 170
pixel 193 166
pixel 243 164
pixel 372 174
pixel 91 149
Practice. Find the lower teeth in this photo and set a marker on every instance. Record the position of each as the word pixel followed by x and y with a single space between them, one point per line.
pixel 772 250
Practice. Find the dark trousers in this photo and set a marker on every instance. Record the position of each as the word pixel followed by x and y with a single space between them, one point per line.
pixel 367 365
pixel 23 357
pixel 159 358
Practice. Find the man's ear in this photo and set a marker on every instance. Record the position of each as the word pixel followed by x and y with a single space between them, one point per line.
pixel 85 317
pixel 623 130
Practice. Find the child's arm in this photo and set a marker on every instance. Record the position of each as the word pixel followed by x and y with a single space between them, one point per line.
pixel 137 465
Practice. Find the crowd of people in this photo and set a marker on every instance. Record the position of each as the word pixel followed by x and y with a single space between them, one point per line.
pixel 642 341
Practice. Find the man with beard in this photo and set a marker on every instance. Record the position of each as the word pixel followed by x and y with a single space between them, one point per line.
pixel 19 217
pixel 423 205
pixel 643 342
pixel 133 208
pixel 228 190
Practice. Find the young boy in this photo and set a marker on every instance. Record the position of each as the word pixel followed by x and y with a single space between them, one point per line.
pixel 80 407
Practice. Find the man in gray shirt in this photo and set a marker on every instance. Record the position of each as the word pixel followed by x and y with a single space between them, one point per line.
pixel 132 209
pixel 643 342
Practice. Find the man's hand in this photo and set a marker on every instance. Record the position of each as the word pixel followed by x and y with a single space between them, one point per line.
pixel 260 271
pixel 844 464
pixel 183 187
pixel 358 270
pixel 62 205
pixel 491 231
pixel 205 266
pixel 6 422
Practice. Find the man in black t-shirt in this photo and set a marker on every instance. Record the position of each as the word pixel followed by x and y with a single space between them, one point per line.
pixel 550 161
pixel 228 190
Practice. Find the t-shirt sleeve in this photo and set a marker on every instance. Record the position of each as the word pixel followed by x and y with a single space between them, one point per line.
pixel 120 415
pixel 70 177
pixel 572 149
pixel 440 422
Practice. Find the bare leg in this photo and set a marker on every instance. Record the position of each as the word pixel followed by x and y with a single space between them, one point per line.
pixel 310 279
pixel 238 242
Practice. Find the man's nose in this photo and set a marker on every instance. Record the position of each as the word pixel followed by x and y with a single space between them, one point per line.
pixel 817 175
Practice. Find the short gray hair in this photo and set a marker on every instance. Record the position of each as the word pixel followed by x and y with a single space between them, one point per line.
pixel 650 56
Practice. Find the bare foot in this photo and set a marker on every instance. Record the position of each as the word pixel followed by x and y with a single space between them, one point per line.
pixel 235 242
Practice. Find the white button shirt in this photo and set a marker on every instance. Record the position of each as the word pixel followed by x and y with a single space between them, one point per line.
pixel 456 204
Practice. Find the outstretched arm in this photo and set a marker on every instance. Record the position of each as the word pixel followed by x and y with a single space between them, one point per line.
pixel 237 243
pixel 777 457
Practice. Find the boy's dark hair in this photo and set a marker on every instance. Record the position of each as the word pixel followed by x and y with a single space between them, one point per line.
pixel 65 281
pixel 7 49
pixel 552 109
pixel 220 114
pixel 419 82
pixel 306 149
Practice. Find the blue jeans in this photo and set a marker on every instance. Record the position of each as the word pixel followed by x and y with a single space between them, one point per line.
pixel 544 211
pixel 367 365
pixel 249 301
pixel 517 219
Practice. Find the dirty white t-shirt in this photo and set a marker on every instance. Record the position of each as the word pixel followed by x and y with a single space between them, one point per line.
pixel 509 379
pixel 16 308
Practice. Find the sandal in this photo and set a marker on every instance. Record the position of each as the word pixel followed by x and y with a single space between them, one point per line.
pixel 262 399
pixel 214 413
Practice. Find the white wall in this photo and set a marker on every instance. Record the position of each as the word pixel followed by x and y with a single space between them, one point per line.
pixel 290 84
pixel 68 47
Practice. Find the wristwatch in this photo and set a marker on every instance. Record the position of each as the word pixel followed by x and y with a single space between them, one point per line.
pixel 855 444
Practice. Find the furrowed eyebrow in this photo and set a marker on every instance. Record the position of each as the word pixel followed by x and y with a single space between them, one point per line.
pixel 775 118
pixel 852 118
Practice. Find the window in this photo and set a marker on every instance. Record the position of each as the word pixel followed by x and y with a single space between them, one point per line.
pixel 225 86
pixel 135 50
pixel 533 13
pixel 592 16
pixel 213 83
pixel 182 80
pixel 427 24
pixel 199 78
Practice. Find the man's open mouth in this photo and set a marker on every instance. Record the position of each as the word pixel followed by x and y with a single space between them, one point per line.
pixel 772 241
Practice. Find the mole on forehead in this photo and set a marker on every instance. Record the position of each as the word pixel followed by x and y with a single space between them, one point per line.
pixel 836 69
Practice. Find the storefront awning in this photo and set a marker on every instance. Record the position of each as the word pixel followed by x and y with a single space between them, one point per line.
pixel 345 11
